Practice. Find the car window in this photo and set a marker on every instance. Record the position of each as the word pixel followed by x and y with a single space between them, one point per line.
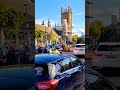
pixel 75 61
pixel 66 64
pixel 98 83
pixel 79 46
pixel 108 48
pixel 41 70
pixel 59 68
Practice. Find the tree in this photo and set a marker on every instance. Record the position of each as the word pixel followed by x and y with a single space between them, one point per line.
pixel 74 38
pixel 53 37
pixel 10 22
pixel 109 34
pixel 39 34
pixel 95 29
pixel 80 40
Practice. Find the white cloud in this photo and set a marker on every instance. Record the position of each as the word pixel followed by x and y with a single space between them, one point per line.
pixel 78 31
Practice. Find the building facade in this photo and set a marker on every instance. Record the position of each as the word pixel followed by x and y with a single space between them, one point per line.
pixel 66 16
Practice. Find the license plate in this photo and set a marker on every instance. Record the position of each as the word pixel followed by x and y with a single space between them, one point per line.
pixel 81 49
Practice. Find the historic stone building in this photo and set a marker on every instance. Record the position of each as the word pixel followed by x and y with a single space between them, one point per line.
pixel 66 22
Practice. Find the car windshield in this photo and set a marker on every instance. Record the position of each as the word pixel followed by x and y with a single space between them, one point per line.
pixel 109 48
pixel 79 46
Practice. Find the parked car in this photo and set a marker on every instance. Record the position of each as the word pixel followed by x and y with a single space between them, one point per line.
pixel 17 77
pixel 96 81
pixel 107 54
pixel 58 48
pixel 79 49
pixel 58 72
pixel 36 49
pixel 3 53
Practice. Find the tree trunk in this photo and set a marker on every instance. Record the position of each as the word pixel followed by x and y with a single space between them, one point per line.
pixel 29 38
pixel 17 40
pixel 2 36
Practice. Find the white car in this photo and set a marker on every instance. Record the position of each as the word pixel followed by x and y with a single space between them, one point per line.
pixel 79 49
pixel 107 54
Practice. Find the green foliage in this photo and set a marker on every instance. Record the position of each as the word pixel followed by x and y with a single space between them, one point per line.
pixel 80 40
pixel 74 38
pixel 10 21
pixel 39 34
pixel 96 28
pixel 110 34
pixel 53 36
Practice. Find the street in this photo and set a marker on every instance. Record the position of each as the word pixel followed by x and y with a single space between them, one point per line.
pixel 111 75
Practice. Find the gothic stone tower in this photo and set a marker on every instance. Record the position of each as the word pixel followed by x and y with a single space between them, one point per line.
pixel 66 13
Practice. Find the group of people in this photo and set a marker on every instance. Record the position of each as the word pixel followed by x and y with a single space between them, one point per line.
pixel 18 55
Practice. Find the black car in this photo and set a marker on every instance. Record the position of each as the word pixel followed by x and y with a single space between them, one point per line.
pixel 17 77
pixel 58 72
pixel 96 81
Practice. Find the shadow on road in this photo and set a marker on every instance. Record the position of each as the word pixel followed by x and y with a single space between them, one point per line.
pixel 110 71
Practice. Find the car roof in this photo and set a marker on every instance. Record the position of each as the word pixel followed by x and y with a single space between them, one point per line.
pixel 47 58
pixel 109 43
pixel 17 75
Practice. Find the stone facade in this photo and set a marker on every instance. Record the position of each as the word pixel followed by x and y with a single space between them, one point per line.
pixel 66 16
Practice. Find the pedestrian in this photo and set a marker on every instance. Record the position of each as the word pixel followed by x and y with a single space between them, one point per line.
pixel 45 49
pixel 53 50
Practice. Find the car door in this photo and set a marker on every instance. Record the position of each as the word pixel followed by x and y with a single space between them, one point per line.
pixel 79 72
pixel 66 75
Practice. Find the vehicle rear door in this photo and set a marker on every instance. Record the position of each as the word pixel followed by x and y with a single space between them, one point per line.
pixel 66 75
pixel 79 71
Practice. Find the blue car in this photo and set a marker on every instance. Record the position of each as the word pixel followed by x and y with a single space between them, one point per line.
pixel 58 72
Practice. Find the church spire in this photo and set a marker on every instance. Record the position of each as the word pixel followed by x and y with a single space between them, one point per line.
pixel 49 23
pixel 43 23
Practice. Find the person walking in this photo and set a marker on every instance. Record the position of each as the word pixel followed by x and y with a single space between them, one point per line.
pixel 53 50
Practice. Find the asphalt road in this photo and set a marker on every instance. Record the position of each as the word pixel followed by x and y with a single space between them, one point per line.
pixel 112 75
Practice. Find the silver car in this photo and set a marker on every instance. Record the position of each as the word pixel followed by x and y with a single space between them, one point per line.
pixel 107 54
pixel 79 49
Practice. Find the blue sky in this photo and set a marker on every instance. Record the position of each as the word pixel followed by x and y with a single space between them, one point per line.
pixel 51 9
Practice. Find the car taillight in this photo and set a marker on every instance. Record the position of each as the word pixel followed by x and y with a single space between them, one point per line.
pixel 47 85
pixel 98 54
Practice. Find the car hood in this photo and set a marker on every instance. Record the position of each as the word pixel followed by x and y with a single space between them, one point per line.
pixel 18 78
